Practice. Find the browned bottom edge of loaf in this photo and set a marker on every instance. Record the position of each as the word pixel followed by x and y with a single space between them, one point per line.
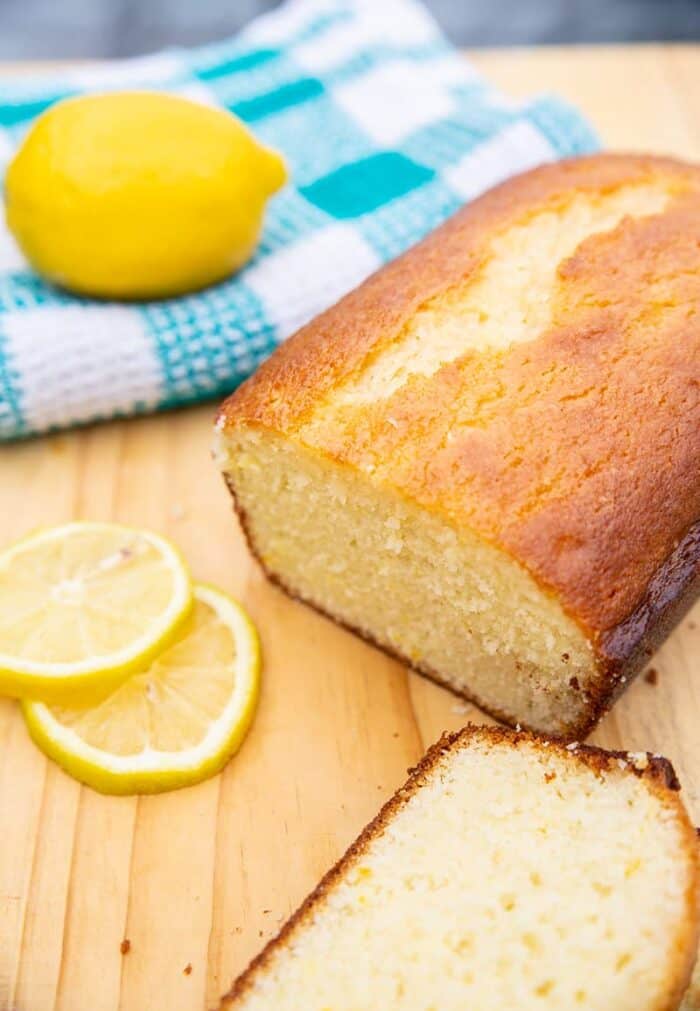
pixel 670 594
pixel 657 768
pixel 624 650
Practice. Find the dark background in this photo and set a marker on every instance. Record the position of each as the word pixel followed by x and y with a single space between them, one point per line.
pixel 49 29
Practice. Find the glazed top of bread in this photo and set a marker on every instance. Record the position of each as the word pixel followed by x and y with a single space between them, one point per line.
pixel 531 369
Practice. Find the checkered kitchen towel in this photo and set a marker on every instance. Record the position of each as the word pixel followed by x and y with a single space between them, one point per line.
pixel 386 129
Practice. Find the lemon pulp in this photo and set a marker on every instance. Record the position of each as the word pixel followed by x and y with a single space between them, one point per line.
pixel 173 723
pixel 84 604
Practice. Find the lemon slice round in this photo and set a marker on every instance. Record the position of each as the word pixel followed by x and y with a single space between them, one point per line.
pixel 176 722
pixel 82 605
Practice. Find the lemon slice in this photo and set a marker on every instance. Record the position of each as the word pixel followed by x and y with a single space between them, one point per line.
pixel 176 722
pixel 82 605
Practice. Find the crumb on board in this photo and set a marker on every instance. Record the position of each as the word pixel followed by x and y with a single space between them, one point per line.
pixel 652 676
pixel 639 759
pixel 460 709
pixel 187 971
pixel 125 946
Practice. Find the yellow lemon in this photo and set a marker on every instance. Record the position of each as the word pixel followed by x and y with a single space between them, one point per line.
pixel 138 194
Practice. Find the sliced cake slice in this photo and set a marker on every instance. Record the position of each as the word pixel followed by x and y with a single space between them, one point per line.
pixel 509 873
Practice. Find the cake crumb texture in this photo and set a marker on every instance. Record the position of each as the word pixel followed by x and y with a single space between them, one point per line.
pixel 504 875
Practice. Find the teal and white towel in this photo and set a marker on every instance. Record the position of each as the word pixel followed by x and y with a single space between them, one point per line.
pixel 386 129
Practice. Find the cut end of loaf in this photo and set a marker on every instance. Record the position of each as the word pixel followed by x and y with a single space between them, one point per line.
pixel 448 603
pixel 510 872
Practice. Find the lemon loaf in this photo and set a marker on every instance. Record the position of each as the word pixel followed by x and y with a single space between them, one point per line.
pixel 509 872
pixel 486 459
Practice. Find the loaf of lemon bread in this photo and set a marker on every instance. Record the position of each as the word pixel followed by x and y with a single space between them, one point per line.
pixel 486 459
pixel 509 872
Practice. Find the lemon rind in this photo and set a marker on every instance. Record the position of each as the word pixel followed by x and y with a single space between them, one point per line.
pixel 59 681
pixel 157 771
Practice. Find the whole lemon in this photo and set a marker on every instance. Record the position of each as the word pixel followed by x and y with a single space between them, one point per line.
pixel 138 194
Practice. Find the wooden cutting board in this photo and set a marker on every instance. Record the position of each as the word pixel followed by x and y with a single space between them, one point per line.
pixel 197 880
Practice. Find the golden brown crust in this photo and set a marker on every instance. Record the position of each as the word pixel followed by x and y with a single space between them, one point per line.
pixel 655 770
pixel 596 504
pixel 625 649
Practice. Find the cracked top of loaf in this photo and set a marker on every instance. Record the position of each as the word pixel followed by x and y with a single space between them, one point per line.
pixel 530 370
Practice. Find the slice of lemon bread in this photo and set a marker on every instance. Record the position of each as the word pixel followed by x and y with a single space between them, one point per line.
pixel 486 459
pixel 508 873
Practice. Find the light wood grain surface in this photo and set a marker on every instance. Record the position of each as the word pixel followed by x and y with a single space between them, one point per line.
pixel 202 877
